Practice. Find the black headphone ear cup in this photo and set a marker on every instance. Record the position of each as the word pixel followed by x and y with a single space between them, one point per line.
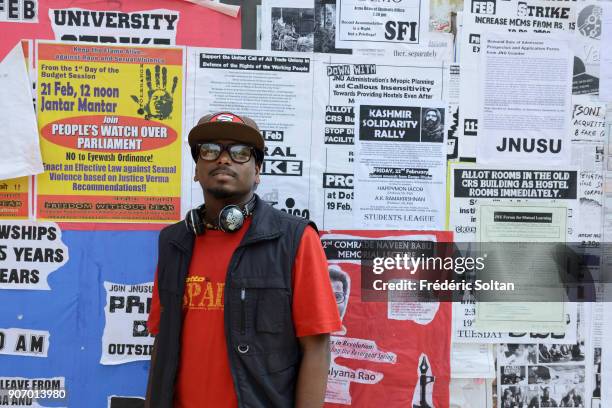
pixel 194 222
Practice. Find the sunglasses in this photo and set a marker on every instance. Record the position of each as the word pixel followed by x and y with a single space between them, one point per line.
pixel 239 153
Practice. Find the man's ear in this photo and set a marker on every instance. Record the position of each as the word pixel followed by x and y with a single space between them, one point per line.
pixel 257 173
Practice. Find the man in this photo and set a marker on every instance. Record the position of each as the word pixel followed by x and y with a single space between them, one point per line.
pixel 242 305
pixel 433 126
pixel 341 287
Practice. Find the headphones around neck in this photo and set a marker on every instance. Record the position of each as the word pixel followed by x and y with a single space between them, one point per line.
pixel 231 218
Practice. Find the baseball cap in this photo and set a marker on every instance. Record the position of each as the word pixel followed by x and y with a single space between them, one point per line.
pixel 226 125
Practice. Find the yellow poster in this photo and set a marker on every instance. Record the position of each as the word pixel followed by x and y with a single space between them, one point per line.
pixel 14 198
pixel 110 122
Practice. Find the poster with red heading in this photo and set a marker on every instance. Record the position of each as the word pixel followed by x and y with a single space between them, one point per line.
pixel 391 351
pixel 134 22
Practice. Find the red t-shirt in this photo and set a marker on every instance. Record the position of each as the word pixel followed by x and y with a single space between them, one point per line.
pixel 204 374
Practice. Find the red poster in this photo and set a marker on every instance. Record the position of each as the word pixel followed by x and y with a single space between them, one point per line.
pixel 390 353
pixel 134 22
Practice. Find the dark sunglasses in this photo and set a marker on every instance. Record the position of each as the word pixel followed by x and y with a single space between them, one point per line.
pixel 239 153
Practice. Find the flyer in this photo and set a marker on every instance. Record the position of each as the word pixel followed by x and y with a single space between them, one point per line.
pixel 125 336
pixel 340 80
pixel 389 353
pixel 389 193
pixel 359 23
pixel 531 17
pixel 525 110
pixel 543 375
pixel 222 80
pixel 109 119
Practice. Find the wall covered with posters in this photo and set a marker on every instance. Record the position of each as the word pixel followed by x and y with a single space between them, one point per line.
pixel 390 124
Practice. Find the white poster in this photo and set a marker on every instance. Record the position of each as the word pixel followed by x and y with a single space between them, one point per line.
pixel 126 338
pixel 340 81
pixel 471 184
pixel 20 154
pixel 29 252
pixel 287 25
pixel 400 165
pixel 362 22
pixel 526 100
pixel 151 27
pixel 471 393
pixel 275 90
pixel 587 133
pixel 540 375
pixel 532 17
pixel 24 342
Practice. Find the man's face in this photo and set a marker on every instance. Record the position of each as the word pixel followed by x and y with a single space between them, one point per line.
pixel 341 299
pixel 223 178
pixel 431 116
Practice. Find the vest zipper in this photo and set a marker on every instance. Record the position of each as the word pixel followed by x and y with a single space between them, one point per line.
pixel 243 311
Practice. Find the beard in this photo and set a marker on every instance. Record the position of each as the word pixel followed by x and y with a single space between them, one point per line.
pixel 221 193
pixel 430 124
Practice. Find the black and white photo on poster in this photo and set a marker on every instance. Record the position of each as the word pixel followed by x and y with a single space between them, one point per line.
pixel 400 165
pixel 364 22
pixel 341 80
pixel 288 25
pixel 525 112
pixel 537 17
pixel 325 28
pixel 222 80
pixel 125 337
pixel 556 374
pixel 150 27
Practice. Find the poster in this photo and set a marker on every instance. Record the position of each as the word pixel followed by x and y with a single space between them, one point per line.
pixel 222 80
pixel 125 336
pixel 543 375
pixel 341 80
pixel 29 253
pixel 519 242
pixel 15 198
pixel 110 123
pixel 385 354
pixel 586 47
pixel 470 186
pixel 146 22
pixel 288 25
pixel 532 17
pixel 389 193
pixel 20 154
pixel 360 23
pixel 525 110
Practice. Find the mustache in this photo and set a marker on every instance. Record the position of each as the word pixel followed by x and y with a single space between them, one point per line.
pixel 223 170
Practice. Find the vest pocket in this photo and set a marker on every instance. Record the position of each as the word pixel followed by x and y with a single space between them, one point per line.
pixel 272 310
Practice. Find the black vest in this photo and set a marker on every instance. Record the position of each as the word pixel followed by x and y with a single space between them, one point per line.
pixel 263 351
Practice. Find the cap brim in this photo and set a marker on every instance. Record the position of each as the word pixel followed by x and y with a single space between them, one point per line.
pixel 239 132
